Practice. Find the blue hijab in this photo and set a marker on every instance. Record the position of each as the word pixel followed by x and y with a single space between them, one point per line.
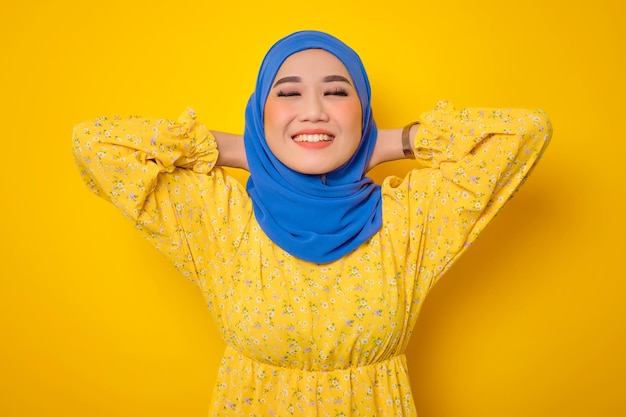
pixel 315 218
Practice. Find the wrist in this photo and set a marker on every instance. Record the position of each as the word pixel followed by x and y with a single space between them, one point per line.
pixel 408 135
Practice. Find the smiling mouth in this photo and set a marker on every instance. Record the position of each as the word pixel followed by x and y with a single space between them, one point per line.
pixel 313 138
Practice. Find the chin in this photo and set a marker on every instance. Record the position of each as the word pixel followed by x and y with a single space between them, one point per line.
pixel 311 171
pixel 311 168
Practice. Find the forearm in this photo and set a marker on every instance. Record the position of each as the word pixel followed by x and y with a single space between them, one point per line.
pixel 389 145
pixel 231 151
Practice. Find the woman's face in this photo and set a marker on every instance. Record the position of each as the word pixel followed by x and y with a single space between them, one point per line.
pixel 313 114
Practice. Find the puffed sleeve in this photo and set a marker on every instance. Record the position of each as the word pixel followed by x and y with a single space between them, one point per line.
pixel 161 175
pixel 471 161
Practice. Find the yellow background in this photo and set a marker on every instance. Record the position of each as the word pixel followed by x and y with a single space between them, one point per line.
pixel 94 322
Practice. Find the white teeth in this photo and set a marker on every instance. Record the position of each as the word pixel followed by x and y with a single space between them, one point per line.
pixel 313 138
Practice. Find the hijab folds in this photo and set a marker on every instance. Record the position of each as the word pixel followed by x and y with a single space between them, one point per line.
pixel 318 218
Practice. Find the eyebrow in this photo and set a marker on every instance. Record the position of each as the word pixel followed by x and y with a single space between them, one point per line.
pixel 331 78
pixel 327 79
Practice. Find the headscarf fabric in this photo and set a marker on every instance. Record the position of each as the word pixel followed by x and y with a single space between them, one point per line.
pixel 317 218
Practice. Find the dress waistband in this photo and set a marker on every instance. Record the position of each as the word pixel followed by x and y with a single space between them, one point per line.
pixel 399 359
pixel 249 387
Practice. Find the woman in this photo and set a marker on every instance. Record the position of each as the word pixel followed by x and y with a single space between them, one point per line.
pixel 314 274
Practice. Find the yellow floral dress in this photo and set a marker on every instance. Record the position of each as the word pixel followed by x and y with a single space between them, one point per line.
pixel 310 339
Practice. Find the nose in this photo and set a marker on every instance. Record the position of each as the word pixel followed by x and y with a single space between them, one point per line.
pixel 313 109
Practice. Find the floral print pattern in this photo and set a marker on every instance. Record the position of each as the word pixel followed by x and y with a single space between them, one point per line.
pixel 312 339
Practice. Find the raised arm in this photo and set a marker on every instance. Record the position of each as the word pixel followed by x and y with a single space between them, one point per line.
pixel 469 162
pixel 162 175
pixel 120 158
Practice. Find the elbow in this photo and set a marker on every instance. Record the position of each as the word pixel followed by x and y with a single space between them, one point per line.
pixel 544 124
pixel 540 129
pixel 82 141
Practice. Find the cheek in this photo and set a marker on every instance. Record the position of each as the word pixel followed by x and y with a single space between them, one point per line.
pixel 274 123
pixel 269 115
pixel 276 115
pixel 351 117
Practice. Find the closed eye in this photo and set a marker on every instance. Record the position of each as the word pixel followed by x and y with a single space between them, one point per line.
pixel 337 92
pixel 288 94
